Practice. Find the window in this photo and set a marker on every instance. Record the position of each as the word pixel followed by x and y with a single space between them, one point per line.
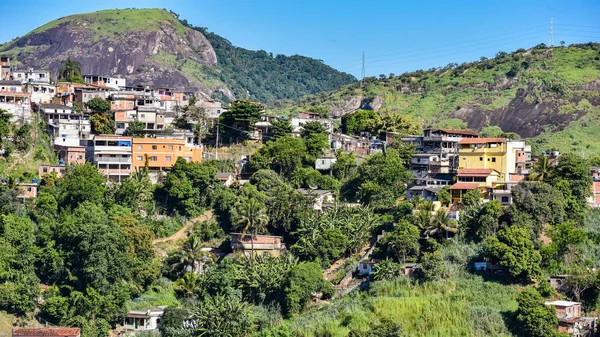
pixel 153 158
pixel 139 158
pixel 28 189
pixel 45 170
pixel 154 147
pixel 167 158
pixel 480 158
pixel 170 147
pixel 493 160
pixel 504 199
pixel 143 115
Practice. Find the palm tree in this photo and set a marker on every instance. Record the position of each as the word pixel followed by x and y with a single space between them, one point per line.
pixel 422 219
pixel 442 222
pixel 542 169
pixel 191 256
pixel 189 284
pixel 416 201
pixel 69 70
pixel 252 218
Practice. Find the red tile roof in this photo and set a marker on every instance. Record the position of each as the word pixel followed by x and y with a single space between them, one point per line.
pixel 464 186
pixel 461 132
pixel 481 140
pixel 46 332
pixel 475 172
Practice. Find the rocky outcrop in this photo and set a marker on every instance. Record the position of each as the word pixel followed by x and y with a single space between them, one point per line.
pixel 131 55
pixel 350 104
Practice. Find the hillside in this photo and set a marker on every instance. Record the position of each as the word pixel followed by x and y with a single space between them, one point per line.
pixel 549 95
pixel 153 47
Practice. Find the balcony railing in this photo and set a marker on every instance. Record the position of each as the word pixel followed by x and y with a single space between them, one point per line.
pixel 115 171
pixel 119 160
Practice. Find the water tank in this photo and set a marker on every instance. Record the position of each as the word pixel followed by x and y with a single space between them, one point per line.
pixel 64 135
pixel 35 181
pixel 61 162
pixel 543 153
pixel 555 153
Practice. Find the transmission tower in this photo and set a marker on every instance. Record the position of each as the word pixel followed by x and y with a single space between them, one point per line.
pixel 551 32
pixel 362 74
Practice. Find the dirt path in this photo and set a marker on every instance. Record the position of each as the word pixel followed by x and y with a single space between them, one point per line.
pixel 182 233
pixel 28 154
pixel 331 272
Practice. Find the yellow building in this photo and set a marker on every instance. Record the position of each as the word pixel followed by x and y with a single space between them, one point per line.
pixel 499 154
pixel 470 179
pixel 162 153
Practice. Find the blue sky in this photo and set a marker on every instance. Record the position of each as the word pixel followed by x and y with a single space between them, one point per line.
pixel 396 36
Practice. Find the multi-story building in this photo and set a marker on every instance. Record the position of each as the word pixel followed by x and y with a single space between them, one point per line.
pixel 105 81
pixel 112 156
pixel 15 101
pixel 41 92
pixel 65 93
pixel 64 122
pixel 500 154
pixel 69 153
pixel 4 68
pixel 31 75
pixel 161 151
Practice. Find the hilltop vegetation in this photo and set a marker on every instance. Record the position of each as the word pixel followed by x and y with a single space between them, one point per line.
pixel 154 46
pixel 550 94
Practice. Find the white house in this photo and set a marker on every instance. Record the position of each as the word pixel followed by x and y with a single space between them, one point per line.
pixel 321 197
pixel 142 320
pixel 325 163
pixel 31 75
pixel 366 267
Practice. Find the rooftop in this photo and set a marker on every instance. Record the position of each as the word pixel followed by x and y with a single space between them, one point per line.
pixel 10 82
pixel 562 303
pixel 460 132
pixel 46 332
pixel 475 172
pixel 481 140
pixel 224 175
pixel 464 186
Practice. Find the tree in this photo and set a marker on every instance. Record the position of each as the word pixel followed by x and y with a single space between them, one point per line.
pixel 281 128
pixel 242 115
pixel 4 125
pixel 472 197
pixel 188 285
pixel 513 249
pixel 102 124
pixel 304 280
pixel 190 186
pixel 316 138
pixel 357 122
pixel 386 270
pixel 404 241
pixel 191 256
pixel 223 316
pixel 344 166
pixel 576 171
pixel 534 317
pixel 444 196
pixel 98 105
pixel 283 155
pixel 542 169
pixel 433 266
pixel 70 71
pixel 135 128
pixel 79 184
pixel 252 218
pixel 441 222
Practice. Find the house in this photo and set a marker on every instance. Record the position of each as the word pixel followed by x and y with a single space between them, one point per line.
pixel 141 321
pixel 500 154
pixel 110 82
pixel 226 177
pixel 4 68
pixel 162 150
pixel 474 178
pixel 409 268
pixel 15 101
pixel 502 192
pixel 325 163
pixel 557 281
pixel 64 122
pixel 27 190
pixel 41 92
pixel 71 152
pixel 31 75
pixel 366 267
pixel 425 191
pixel 49 169
pixel 570 320
pixel 321 197
pixel 112 156
pixel 487 267
pixel 46 332
pixel 263 244
pixel 594 198
pixel 65 93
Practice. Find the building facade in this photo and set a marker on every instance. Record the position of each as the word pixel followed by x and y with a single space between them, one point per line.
pixel 161 152
pixel 112 156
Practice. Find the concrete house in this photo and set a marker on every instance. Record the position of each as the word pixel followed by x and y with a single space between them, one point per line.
pixel 570 320
pixel 322 198
pixel 141 321
pixel 226 177
pixel 263 244
pixel 366 267
pixel 325 163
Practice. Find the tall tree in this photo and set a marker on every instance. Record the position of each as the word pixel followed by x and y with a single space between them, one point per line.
pixel 251 218
pixel 241 116
pixel 535 318
pixel 70 70
pixel 281 128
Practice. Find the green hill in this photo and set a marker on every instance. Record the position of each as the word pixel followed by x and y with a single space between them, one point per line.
pixel 153 47
pixel 549 95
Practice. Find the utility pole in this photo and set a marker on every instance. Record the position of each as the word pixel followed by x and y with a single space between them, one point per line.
pixel 551 32
pixel 362 74
pixel 217 143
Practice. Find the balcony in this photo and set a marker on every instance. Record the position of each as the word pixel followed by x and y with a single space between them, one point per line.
pixel 113 160
pixel 112 149
pixel 115 172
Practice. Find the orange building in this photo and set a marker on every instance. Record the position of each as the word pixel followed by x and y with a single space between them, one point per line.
pixel 162 153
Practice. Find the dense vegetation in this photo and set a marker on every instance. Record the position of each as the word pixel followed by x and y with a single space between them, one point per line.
pixel 553 84
pixel 264 77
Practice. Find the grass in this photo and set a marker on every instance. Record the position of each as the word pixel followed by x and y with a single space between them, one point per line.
pixel 159 294
pixel 465 305
pixel 112 22
pixel 192 70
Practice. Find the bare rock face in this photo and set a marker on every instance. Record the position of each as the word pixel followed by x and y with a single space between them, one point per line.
pixel 143 57
pixel 349 105
pixel 373 104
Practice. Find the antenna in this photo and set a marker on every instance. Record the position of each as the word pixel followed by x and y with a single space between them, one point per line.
pixel 551 31
pixel 362 75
